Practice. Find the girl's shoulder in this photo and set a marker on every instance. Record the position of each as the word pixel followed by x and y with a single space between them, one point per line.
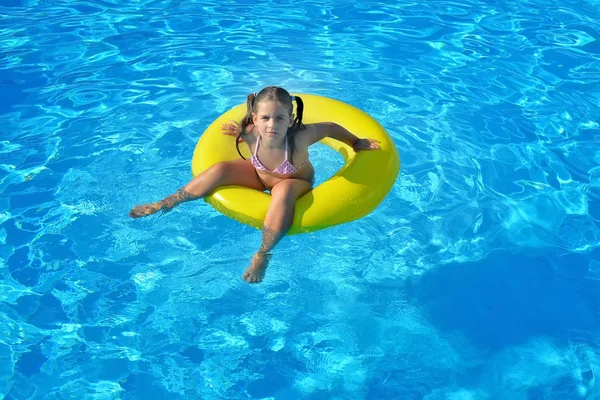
pixel 302 134
pixel 249 135
pixel 312 133
pixel 249 132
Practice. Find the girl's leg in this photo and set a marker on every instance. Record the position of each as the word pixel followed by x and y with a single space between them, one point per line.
pixel 277 222
pixel 237 172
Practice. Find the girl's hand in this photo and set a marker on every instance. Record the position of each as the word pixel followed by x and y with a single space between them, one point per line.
pixel 230 128
pixel 365 144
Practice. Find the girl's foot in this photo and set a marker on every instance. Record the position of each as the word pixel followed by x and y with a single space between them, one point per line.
pixel 145 209
pixel 165 205
pixel 256 271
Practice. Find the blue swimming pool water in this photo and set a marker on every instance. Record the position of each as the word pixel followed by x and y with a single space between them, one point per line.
pixel 477 278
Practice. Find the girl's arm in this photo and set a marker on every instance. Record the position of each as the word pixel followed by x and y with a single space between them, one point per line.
pixel 316 132
pixel 342 134
pixel 321 130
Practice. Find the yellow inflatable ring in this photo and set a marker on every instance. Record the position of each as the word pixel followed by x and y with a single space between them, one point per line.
pixel 352 193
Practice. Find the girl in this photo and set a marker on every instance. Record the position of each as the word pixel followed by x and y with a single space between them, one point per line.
pixel 278 142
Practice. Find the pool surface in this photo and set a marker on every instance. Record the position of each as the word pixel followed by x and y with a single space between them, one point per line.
pixel 478 277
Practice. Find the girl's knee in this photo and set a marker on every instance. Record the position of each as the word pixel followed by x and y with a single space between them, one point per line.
pixel 281 190
pixel 290 189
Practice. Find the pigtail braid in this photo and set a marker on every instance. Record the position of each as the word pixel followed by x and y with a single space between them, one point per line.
pixel 296 126
pixel 299 112
pixel 237 144
pixel 247 120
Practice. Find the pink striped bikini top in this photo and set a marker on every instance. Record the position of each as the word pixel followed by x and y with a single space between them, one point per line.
pixel 285 168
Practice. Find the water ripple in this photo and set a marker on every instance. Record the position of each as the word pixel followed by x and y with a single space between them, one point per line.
pixel 565 37
pixel 494 107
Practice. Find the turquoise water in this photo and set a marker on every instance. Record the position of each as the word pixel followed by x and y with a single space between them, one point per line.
pixel 477 278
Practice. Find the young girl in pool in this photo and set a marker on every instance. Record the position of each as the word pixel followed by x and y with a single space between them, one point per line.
pixel 278 142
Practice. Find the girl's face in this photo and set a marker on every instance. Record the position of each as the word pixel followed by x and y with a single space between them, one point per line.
pixel 272 119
